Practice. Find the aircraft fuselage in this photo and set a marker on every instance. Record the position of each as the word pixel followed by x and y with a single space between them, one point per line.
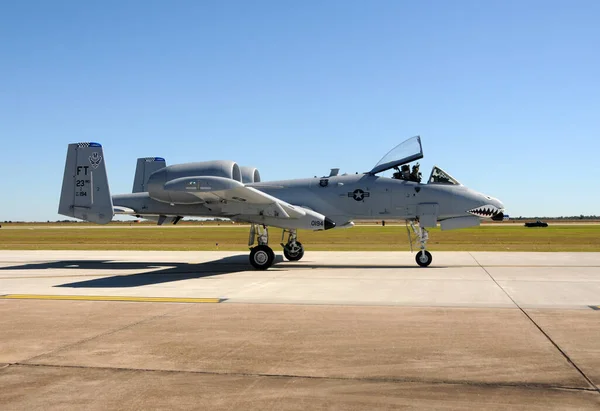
pixel 341 198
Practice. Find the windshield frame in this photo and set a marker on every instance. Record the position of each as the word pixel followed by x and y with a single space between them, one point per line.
pixel 434 178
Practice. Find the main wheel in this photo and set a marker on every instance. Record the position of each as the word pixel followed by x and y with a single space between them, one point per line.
pixel 424 258
pixel 293 253
pixel 261 257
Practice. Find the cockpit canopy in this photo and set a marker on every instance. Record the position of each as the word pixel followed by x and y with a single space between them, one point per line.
pixel 403 153
pixel 439 176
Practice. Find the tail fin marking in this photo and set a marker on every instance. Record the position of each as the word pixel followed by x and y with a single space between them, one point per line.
pixel 85 192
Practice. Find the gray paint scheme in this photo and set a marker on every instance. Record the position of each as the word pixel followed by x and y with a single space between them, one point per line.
pixel 383 199
pixel 144 168
pixel 85 192
pixel 250 175
pixel 217 189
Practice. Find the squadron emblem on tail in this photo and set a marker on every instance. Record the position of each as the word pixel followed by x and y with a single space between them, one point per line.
pixel 95 159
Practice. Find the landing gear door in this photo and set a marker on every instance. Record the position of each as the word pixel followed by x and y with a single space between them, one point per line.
pixel 428 214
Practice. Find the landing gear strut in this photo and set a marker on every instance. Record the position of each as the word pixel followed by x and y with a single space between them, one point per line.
pixel 423 257
pixel 293 249
pixel 261 256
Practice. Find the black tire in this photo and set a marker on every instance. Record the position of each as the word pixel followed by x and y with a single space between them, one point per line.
pixel 271 255
pixel 423 258
pixel 293 255
pixel 261 257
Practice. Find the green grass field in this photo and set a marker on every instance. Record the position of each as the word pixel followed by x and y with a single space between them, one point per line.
pixel 360 238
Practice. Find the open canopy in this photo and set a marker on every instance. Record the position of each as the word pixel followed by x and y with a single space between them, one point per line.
pixel 405 152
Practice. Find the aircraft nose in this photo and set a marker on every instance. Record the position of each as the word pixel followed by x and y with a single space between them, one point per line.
pixel 500 215
pixel 491 208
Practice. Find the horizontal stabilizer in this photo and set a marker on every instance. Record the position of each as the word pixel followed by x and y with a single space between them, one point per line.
pixel 124 210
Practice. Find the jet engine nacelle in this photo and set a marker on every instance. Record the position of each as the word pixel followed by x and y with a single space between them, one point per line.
pixel 158 179
pixel 250 175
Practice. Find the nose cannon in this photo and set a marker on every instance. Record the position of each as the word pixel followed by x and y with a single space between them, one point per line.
pixel 498 217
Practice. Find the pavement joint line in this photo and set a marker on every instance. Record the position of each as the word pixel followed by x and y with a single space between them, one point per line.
pixel 110 298
pixel 564 354
pixel 108 332
pixel 531 386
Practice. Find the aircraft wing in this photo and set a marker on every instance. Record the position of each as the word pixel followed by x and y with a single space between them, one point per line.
pixel 236 200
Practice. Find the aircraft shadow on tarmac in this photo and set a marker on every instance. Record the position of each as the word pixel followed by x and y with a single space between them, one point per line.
pixel 164 272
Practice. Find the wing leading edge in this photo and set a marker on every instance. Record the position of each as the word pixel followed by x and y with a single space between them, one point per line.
pixel 230 198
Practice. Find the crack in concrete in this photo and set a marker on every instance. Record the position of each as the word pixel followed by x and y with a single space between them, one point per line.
pixel 560 350
pixel 531 386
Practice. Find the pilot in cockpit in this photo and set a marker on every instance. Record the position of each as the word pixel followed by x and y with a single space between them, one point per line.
pixel 405 173
pixel 415 175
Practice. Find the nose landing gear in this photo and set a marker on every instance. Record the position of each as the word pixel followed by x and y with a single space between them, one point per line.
pixel 423 257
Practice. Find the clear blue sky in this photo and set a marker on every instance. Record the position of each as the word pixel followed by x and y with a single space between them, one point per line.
pixel 505 94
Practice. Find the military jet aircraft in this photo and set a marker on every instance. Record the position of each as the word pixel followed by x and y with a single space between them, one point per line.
pixel 224 189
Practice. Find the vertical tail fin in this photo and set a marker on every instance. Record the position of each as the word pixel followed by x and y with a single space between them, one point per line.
pixel 85 192
pixel 145 167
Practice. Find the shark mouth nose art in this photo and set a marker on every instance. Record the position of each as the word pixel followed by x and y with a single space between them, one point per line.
pixel 489 211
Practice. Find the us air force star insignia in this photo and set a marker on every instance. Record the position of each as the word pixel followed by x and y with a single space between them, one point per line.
pixel 95 159
pixel 359 195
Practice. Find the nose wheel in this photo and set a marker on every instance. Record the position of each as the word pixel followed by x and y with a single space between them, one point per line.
pixel 423 257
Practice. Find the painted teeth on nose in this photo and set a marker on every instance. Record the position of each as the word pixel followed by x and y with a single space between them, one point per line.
pixel 485 211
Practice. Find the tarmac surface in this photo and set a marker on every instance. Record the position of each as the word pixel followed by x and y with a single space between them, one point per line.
pixel 337 330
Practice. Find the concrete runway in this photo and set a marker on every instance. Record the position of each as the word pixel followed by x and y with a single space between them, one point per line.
pixel 337 330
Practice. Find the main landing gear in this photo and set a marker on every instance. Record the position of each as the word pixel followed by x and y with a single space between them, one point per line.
pixel 261 256
pixel 423 257
pixel 293 249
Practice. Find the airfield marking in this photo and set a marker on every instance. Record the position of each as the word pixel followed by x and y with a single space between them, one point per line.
pixel 110 298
